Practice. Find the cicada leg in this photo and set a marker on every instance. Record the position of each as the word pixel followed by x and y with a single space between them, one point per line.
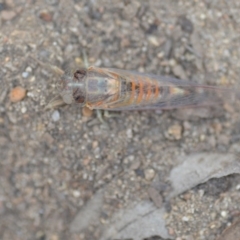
pixel 107 114
pixel 52 68
pixel 85 59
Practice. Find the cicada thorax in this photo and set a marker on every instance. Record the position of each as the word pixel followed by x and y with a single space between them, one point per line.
pixel 102 88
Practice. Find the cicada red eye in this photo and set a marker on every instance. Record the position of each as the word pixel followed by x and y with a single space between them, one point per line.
pixel 79 74
pixel 79 99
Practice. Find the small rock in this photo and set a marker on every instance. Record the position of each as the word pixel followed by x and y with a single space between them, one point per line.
pixel 217 127
pixel 47 138
pixel 175 131
pixel 17 94
pixel 56 116
pixel 76 194
pixel 202 137
pixel 54 237
pixel 154 41
pixel 129 133
pixel 46 16
pixel 135 165
pixel 25 74
pixel 168 48
pixel 171 231
pixel 179 72
pixel 186 24
pixel 29 69
pixel 23 109
pixel 187 125
pixel 8 15
pixel 185 218
pixel 155 197
pixel 94 144
pixel 149 174
pixel 224 214
pixel 223 139
pixel 125 43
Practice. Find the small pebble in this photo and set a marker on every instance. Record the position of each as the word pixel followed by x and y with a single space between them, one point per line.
pixel 56 116
pixel 25 74
pixel 155 197
pixel 154 41
pixel 54 237
pixel 94 144
pixel 175 131
pixel 129 133
pixel 171 231
pixel 125 43
pixel 217 127
pixel 149 174
pixel 202 137
pixel 224 214
pixel 76 194
pixel 46 16
pixel 185 218
pixel 23 109
pixel 179 71
pixel 29 69
pixel 17 94
pixel 8 15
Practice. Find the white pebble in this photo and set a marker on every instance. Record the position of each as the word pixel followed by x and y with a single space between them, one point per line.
pixel 56 116
pixel 185 218
pixel 76 194
pixel 129 133
pixel 30 94
pixel 224 214
pixel 23 109
pixel 149 174
pixel 238 187
pixel 29 69
pixel 25 74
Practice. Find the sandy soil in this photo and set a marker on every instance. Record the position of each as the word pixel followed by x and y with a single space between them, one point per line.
pixel 53 162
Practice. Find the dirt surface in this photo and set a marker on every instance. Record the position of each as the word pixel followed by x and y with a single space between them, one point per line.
pixel 53 162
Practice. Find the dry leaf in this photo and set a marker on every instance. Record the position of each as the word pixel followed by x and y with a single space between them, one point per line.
pixel 199 168
pixel 138 222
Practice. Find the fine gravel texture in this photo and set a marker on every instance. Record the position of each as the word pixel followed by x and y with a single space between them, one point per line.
pixel 53 163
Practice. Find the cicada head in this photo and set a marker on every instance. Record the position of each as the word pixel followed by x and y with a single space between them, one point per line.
pixel 72 88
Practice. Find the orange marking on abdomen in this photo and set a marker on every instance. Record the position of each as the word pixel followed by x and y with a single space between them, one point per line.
pixel 171 90
pixel 156 91
pixel 140 96
pixel 149 89
pixel 132 91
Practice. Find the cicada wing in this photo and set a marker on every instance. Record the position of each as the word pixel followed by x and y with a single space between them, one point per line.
pixel 144 77
pixel 174 103
pixel 173 93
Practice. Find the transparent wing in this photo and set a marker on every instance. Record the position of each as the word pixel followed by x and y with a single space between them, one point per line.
pixel 174 93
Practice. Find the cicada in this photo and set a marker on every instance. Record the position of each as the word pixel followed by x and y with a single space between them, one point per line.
pixel 117 90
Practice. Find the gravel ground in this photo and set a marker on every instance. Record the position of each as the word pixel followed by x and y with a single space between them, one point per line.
pixel 53 162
